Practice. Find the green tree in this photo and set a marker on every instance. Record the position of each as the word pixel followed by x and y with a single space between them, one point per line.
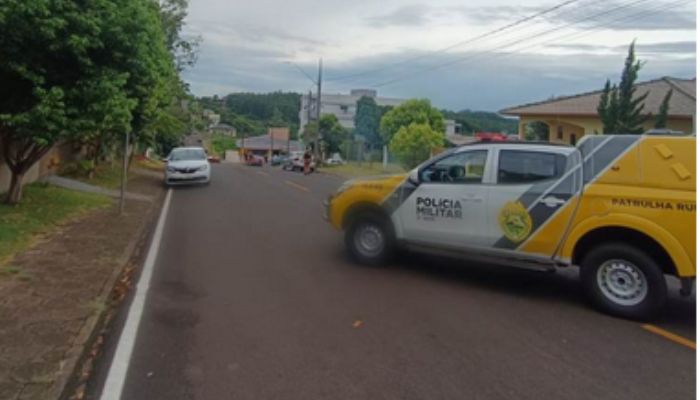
pixel 367 119
pixel 414 143
pixel 619 109
pixel 413 111
pixel 172 16
pixel 107 116
pixel 77 69
pixel 662 116
pixel 332 133
pixel 537 130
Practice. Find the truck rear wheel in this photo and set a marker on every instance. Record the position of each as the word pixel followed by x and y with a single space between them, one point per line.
pixel 623 280
pixel 369 239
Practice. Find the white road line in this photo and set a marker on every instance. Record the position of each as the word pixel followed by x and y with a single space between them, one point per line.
pixel 120 363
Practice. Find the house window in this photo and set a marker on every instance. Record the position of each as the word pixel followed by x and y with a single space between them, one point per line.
pixel 344 109
pixel 572 139
pixel 560 132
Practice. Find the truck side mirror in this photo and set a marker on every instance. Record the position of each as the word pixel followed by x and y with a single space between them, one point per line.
pixel 414 177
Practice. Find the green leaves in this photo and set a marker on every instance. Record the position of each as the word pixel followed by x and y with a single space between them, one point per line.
pixel 367 119
pixel 411 112
pixel 82 70
pixel 414 143
pixel 620 109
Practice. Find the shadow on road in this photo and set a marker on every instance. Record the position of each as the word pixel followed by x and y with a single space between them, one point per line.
pixel 560 287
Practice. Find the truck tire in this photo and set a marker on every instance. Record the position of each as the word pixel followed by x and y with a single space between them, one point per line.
pixel 369 239
pixel 623 280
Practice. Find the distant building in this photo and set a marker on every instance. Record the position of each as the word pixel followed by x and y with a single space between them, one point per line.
pixel 343 106
pixel 452 127
pixel 211 117
pixel 223 129
pixel 276 141
pixel 568 118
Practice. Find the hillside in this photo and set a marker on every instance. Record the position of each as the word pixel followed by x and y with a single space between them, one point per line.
pixel 482 121
pixel 252 113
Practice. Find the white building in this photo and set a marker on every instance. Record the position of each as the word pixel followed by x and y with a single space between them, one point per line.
pixel 342 106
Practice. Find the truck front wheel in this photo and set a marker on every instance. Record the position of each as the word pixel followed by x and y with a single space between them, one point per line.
pixel 622 280
pixel 369 239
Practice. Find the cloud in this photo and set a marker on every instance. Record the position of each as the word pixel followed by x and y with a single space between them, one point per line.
pixel 613 14
pixel 409 15
pixel 677 48
pixel 487 83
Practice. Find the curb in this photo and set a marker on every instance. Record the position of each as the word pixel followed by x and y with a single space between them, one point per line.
pixel 72 363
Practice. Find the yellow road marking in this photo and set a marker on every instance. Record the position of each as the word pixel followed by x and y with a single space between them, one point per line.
pixel 670 336
pixel 263 173
pixel 297 186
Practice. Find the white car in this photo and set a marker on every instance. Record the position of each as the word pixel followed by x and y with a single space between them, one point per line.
pixel 187 165
pixel 335 160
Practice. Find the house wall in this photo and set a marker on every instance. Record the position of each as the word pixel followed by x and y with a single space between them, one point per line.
pixel 57 156
pixel 580 126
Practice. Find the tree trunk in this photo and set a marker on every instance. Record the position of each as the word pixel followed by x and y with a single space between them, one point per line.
pixel 14 195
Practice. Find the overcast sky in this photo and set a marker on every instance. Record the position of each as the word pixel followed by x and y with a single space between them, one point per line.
pixel 432 49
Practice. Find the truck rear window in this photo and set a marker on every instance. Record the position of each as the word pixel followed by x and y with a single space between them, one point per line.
pixel 517 166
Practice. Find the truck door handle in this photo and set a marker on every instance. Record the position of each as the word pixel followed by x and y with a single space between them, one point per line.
pixel 551 201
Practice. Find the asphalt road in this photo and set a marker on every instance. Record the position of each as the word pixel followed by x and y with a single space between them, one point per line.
pixel 253 297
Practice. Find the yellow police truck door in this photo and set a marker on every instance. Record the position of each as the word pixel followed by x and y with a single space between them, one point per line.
pixel 533 187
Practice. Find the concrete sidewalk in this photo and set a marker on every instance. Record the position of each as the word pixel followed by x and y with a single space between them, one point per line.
pixel 73 184
pixel 50 312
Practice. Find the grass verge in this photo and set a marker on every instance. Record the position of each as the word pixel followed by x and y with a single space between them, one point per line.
pixel 43 207
pixel 354 170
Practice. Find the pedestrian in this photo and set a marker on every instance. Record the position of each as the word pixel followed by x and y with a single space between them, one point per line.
pixel 307 162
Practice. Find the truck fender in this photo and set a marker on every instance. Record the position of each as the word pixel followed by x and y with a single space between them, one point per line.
pixel 682 262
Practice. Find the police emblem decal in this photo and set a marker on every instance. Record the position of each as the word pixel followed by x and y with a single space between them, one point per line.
pixel 515 221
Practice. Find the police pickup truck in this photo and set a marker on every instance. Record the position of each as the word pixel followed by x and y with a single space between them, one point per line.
pixel 621 207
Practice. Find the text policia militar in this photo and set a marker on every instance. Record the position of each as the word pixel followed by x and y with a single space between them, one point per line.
pixel 431 208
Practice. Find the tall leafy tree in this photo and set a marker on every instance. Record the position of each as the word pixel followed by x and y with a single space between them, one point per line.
pixel 367 118
pixel 662 115
pixel 76 68
pixel 413 111
pixel 414 143
pixel 185 50
pixel 332 132
pixel 619 108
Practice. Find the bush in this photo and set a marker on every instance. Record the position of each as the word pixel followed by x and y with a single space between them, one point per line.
pixel 414 144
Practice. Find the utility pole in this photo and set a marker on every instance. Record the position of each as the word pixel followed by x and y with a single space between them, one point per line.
pixel 318 108
pixel 125 171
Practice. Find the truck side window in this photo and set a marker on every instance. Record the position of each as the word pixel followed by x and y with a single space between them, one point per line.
pixel 464 167
pixel 516 166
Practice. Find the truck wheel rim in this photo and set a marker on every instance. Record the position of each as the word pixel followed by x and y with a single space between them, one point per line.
pixel 622 282
pixel 369 240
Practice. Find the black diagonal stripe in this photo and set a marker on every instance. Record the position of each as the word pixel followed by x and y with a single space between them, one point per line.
pixel 600 160
pixel 596 160
pixel 399 196
pixel 541 213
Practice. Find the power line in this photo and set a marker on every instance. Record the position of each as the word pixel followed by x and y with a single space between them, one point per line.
pixel 524 39
pixel 600 27
pixel 460 43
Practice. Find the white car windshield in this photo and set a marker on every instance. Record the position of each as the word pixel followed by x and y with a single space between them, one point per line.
pixel 187 155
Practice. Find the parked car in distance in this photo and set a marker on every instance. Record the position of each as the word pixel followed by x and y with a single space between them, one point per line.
pixel 335 159
pixel 186 165
pixel 255 160
pixel 296 164
pixel 214 159
pixel 278 160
